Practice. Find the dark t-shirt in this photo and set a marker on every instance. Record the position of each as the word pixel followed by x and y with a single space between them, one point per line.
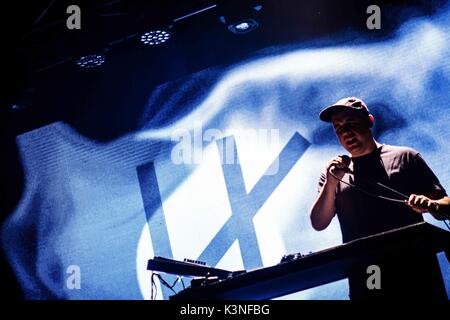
pixel 399 168
pixel 412 276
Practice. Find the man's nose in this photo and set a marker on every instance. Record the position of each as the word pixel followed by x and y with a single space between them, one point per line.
pixel 347 133
pixel 345 130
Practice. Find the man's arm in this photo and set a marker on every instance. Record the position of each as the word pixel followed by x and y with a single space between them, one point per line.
pixel 432 198
pixel 438 207
pixel 323 209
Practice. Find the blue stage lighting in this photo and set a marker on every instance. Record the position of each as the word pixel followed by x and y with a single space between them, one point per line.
pixel 155 37
pixel 243 26
pixel 91 61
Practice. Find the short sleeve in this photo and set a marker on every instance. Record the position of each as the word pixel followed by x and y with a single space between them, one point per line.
pixel 427 182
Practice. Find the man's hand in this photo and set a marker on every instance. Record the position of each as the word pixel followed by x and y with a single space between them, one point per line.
pixel 336 164
pixel 421 203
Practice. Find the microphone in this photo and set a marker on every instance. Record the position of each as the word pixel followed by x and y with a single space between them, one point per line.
pixel 346 163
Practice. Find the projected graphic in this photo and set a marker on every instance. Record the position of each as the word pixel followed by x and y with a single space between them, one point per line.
pixel 107 208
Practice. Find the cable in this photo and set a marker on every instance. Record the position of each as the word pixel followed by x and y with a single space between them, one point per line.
pixel 153 292
pixel 392 190
pixel 153 285
pixel 164 282
pixel 441 216
pixel 367 192
pixel 175 282
pixel 182 282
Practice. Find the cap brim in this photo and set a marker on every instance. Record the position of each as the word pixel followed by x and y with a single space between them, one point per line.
pixel 327 113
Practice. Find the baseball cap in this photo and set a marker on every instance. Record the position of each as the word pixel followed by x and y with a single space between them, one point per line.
pixel 350 103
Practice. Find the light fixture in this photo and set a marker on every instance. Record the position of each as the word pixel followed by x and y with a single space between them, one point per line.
pixel 239 16
pixel 243 26
pixel 155 37
pixel 91 61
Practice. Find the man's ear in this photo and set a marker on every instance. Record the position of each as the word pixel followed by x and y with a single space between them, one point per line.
pixel 371 120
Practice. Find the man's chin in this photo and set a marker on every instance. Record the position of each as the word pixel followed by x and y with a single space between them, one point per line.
pixel 350 148
pixel 354 150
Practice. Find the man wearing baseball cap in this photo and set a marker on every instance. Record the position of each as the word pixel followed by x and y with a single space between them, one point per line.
pixel 402 171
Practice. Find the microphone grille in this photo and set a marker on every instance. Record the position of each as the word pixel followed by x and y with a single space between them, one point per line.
pixel 346 160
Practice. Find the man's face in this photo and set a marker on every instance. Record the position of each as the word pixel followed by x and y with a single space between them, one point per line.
pixel 353 132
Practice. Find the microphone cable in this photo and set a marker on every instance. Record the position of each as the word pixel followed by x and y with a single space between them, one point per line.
pixel 405 197
pixel 370 193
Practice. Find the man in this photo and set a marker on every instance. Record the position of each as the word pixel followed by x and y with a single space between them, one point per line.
pixel 361 214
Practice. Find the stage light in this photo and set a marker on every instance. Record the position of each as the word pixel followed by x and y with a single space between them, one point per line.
pixel 155 37
pixel 91 61
pixel 239 16
pixel 243 26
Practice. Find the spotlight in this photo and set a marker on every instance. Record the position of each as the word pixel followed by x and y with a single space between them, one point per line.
pixel 91 61
pixel 155 37
pixel 243 26
pixel 239 16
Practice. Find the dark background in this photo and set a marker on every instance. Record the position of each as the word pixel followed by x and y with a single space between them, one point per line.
pixel 42 81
